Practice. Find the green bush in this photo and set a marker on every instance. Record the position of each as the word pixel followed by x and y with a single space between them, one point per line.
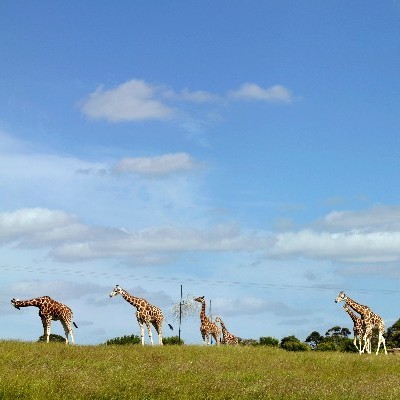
pixel 122 340
pixel 52 338
pixel 268 341
pixel 172 340
pixel 248 342
pixel 291 343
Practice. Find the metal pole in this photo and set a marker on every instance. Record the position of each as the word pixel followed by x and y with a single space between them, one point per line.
pixel 211 321
pixel 180 317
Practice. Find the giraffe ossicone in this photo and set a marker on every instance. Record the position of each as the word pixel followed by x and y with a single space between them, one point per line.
pixel 146 314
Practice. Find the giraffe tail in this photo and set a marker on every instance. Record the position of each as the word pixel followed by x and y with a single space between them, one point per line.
pixel 75 324
pixel 170 327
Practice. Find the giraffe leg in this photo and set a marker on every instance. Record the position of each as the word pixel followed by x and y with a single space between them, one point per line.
pixel 160 337
pixel 72 336
pixel 141 332
pixel 217 339
pixel 367 341
pixel 359 344
pixel 383 341
pixel 367 345
pixel 68 330
pixel 208 338
pixel 46 328
pixel 149 331
pixel 355 343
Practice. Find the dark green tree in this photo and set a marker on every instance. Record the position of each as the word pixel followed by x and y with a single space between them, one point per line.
pixel 52 338
pixel 123 340
pixel 337 339
pixel 313 339
pixel 268 341
pixel 393 335
pixel 337 331
pixel 172 340
pixel 291 343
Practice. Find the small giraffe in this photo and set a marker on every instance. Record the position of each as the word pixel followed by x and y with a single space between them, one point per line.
pixel 227 337
pixel 145 314
pixel 371 321
pixel 207 327
pixel 49 310
pixel 358 328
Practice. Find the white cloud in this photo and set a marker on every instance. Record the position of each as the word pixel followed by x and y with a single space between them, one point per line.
pixel 162 240
pixel 251 91
pixel 130 101
pixel 70 240
pixel 31 221
pixel 137 100
pixel 157 166
pixel 199 96
pixel 249 305
pixel 353 246
pixel 376 218
pixel 364 236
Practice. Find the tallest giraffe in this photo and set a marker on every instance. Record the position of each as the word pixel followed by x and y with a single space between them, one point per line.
pixel 207 327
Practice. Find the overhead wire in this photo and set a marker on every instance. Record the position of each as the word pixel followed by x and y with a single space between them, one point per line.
pixel 187 280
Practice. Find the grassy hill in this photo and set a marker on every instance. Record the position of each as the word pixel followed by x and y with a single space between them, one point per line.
pixel 57 371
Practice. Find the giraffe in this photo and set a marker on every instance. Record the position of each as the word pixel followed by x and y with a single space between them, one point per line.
pixel 358 328
pixel 207 327
pixel 371 321
pixel 50 310
pixel 227 337
pixel 145 314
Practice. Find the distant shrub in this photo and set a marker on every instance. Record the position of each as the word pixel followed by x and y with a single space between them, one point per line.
pixel 123 340
pixel 268 341
pixel 172 340
pixel 291 343
pixel 326 346
pixel 248 342
pixel 52 338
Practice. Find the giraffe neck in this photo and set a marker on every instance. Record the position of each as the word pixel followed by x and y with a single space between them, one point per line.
pixel 362 310
pixel 130 299
pixel 37 302
pixel 203 315
pixel 352 315
pixel 223 326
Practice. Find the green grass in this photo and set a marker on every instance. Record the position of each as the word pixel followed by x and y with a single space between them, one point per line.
pixel 57 371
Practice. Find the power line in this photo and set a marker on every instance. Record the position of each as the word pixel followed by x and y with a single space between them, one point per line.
pixel 194 281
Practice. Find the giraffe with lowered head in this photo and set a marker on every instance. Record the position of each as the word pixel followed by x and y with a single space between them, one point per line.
pixel 207 327
pixel 227 337
pixel 145 314
pixel 50 310
pixel 371 321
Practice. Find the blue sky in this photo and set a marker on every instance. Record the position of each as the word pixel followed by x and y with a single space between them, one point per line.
pixel 248 151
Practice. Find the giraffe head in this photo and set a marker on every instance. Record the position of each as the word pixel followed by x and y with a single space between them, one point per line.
pixel 341 297
pixel 116 290
pixel 199 299
pixel 14 302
